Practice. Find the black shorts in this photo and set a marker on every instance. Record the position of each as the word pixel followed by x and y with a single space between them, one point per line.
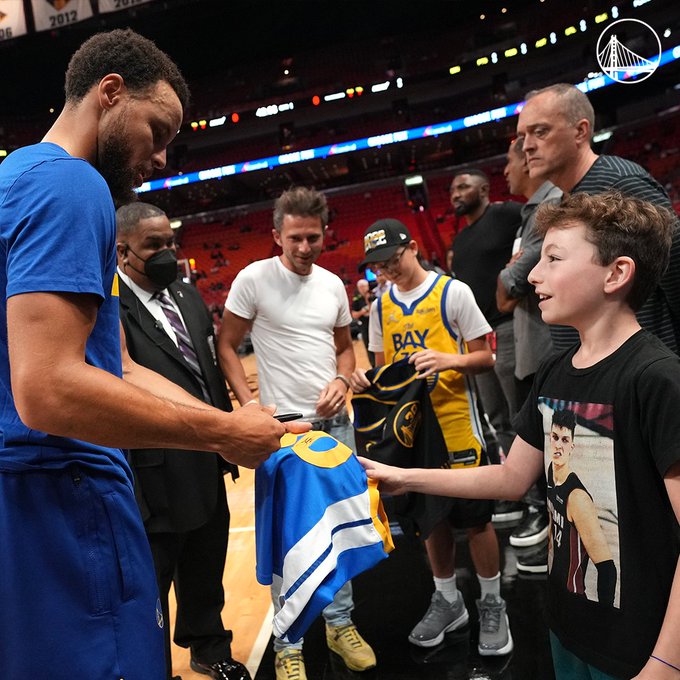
pixel 467 513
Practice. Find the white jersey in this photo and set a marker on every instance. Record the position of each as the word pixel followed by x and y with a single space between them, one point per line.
pixel 293 322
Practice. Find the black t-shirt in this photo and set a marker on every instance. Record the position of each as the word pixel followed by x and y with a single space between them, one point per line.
pixel 482 249
pixel 627 436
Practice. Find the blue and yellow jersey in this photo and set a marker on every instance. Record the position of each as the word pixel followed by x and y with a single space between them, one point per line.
pixel 424 325
pixel 319 522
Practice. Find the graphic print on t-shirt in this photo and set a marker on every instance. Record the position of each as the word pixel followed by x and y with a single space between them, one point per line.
pixel 583 547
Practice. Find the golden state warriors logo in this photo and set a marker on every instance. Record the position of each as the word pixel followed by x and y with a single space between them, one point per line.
pixel 374 239
pixel 406 423
pixel 317 448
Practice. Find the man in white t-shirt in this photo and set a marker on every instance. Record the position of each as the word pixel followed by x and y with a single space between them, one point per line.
pixel 298 317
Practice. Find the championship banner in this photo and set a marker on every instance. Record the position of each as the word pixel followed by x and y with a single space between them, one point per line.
pixel 12 19
pixel 116 5
pixel 51 14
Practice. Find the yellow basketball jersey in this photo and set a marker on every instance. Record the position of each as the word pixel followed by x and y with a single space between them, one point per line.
pixel 423 325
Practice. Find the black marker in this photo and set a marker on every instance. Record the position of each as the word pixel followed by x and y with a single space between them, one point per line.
pixel 286 417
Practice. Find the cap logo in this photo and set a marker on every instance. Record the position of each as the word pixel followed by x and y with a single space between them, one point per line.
pixel 374 239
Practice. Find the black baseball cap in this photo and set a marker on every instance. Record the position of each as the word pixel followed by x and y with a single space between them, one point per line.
pixel 382 239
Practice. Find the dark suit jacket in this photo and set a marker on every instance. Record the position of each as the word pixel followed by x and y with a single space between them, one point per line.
pixel 176 490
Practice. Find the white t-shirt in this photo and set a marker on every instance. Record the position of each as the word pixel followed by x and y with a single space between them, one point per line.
pixel 293 321
pixel 462 312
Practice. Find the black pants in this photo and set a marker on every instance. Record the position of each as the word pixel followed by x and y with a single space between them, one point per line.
pixel 194 560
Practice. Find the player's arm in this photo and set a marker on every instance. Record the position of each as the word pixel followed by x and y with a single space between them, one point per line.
pixel 58 392
pixel 582 512
pixel 477 359
pixel 232 332
pixel 509 481
pixel 332 397
pixel 667 645
pixel 153 382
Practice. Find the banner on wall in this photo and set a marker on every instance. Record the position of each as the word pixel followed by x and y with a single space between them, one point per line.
pixel 12 19
pixel 51 14
pixel 116 5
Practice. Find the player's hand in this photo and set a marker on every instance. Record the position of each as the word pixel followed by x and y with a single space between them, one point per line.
pixel 429 362
pixel 390 479
pixel 358 381
pixel 253 434
pixel 332 399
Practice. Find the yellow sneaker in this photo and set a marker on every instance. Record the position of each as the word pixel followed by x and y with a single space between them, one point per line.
pixel 350 646
pixel 290 665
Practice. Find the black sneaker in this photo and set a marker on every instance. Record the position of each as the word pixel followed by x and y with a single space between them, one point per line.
pixel 532 530
pixel 507 511
pixel 534 562
pixel 222 670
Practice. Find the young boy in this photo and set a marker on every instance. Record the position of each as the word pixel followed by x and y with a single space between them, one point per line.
pixel 434 322
pixel 602 256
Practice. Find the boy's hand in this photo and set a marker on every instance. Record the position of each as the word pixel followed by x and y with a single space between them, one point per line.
pixel 358 381
pixel 428 362
pixel 391 479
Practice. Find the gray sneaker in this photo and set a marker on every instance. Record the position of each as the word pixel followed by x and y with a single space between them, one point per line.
pixel 441 617
pixel 494 631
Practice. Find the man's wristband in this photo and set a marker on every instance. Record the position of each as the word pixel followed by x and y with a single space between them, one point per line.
pixel 342 378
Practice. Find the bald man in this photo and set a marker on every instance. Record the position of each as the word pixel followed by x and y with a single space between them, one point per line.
pixel 556 126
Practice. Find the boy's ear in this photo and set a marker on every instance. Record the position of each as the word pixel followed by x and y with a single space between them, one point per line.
pixel 621 274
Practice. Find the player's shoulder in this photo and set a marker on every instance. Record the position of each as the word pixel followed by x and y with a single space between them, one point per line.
pixel 47 167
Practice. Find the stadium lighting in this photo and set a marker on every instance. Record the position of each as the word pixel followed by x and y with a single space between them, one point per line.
pixel 380 87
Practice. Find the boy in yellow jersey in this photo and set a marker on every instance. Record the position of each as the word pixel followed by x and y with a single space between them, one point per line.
pixel 434 321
